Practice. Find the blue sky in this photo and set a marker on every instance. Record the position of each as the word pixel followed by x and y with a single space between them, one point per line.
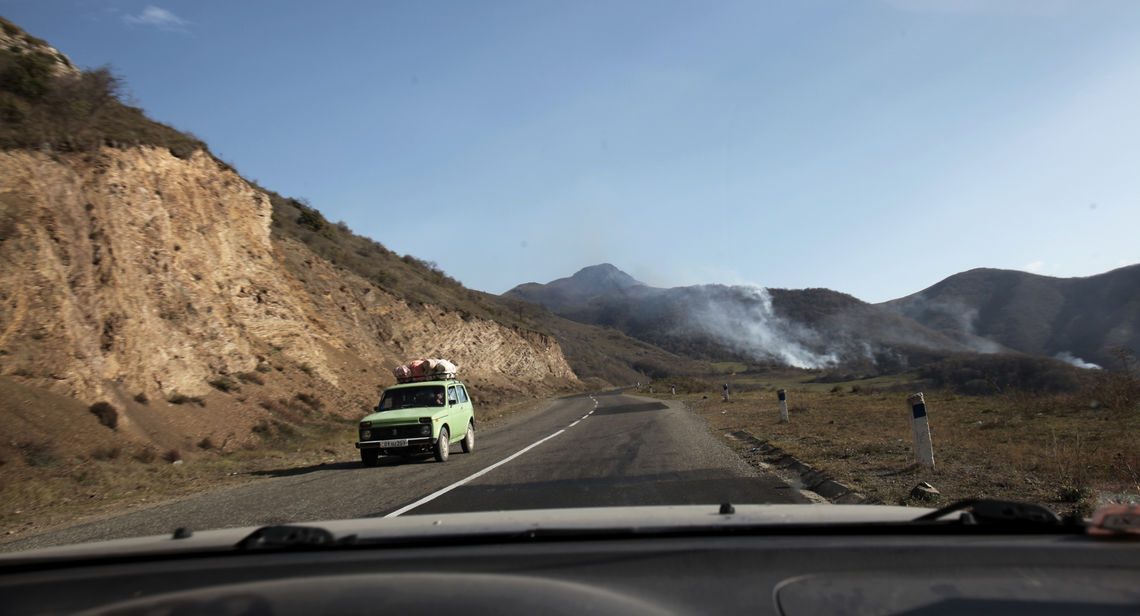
pixel 869 147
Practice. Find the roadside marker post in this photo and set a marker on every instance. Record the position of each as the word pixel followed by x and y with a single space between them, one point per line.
pixel 783 396
pixel 920 426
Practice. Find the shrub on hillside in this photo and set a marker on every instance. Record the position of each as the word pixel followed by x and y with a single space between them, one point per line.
pixel 39 454
pixel 988 374
pixel 310 218
pixel 183 399
pixel 652 368
pixel 311 400
pixel 74 111
pixel 1119 387
pixel 107 414
pixel 250 377
pixel 28 75
pixel 224 384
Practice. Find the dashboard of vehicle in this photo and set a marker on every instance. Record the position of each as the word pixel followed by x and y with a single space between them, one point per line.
pixel 768 573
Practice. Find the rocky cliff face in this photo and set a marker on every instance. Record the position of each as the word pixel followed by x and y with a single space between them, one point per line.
pixel 134 276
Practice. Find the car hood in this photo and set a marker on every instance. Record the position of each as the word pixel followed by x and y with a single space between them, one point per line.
pixel 499 523
pixel 402 416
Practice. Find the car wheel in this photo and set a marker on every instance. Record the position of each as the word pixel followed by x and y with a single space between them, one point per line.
pixel 469 440
pixel 442 445
pixel 369 457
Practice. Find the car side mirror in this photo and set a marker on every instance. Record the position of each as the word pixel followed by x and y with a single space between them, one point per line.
pixel 376 408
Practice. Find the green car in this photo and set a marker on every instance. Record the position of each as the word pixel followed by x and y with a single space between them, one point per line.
pixel 421 417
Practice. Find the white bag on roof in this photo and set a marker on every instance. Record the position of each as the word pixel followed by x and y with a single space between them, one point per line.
pixel 440 366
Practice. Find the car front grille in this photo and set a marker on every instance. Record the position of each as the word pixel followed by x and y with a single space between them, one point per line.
pixel 389 432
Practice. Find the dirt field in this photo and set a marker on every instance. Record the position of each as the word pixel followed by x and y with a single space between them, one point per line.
pixel 1059 451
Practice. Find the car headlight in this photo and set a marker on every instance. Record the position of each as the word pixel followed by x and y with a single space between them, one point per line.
pixel 425 429
pixel 365 435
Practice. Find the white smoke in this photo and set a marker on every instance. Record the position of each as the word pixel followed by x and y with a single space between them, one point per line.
pixel 1073 360
pixel 752 327
pixel 966 317
pixel 967 320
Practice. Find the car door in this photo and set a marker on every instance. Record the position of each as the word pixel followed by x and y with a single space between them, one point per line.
pixel 456 418
pixel 466 405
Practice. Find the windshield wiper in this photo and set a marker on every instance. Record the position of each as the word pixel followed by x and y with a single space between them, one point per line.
pixel 988 512
pixel 289 537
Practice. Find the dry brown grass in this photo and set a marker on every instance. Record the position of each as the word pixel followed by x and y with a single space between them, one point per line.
pixel 65 489
pixel 102 483
pixel 1057 450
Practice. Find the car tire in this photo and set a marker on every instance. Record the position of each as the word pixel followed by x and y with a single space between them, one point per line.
pixel 469 438
pixel 442 445
pixel 369 457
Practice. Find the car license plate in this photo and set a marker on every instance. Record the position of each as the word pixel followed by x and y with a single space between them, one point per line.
pixel 396 442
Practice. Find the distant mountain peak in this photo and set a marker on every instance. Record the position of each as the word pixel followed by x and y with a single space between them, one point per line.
pixel 605 275
pixel 586 284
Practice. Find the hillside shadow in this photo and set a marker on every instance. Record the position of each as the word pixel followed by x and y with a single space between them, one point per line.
pixel 631 408
pixel 383 462
pixel 608 392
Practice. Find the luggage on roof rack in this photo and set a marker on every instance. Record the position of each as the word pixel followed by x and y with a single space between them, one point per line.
pixel 425 370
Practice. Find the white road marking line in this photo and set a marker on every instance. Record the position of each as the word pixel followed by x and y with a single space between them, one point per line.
pixel 440 492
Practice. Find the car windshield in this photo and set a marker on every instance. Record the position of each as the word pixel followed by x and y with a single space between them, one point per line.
pixel 408 397
pixel 634 253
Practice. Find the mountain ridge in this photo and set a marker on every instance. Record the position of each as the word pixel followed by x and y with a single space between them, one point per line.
pixel 973 311
pixel 1085 317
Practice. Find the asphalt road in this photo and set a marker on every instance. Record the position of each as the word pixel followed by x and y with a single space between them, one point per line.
pixel 589 450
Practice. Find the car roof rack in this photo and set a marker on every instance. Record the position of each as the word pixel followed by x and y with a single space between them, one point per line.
pixel 442 376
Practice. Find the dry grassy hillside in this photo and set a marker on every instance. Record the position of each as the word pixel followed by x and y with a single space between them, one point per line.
pixel 179 303
pixel 134 275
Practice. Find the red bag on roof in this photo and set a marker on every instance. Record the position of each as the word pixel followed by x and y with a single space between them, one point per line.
pixel 417 368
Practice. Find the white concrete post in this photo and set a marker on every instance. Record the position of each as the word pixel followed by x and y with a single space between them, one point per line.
pixel 726 392
pixel 673 390
pixel 783 395
pixel 920 426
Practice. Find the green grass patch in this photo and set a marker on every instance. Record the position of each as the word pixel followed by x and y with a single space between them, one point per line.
pixel 728 367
